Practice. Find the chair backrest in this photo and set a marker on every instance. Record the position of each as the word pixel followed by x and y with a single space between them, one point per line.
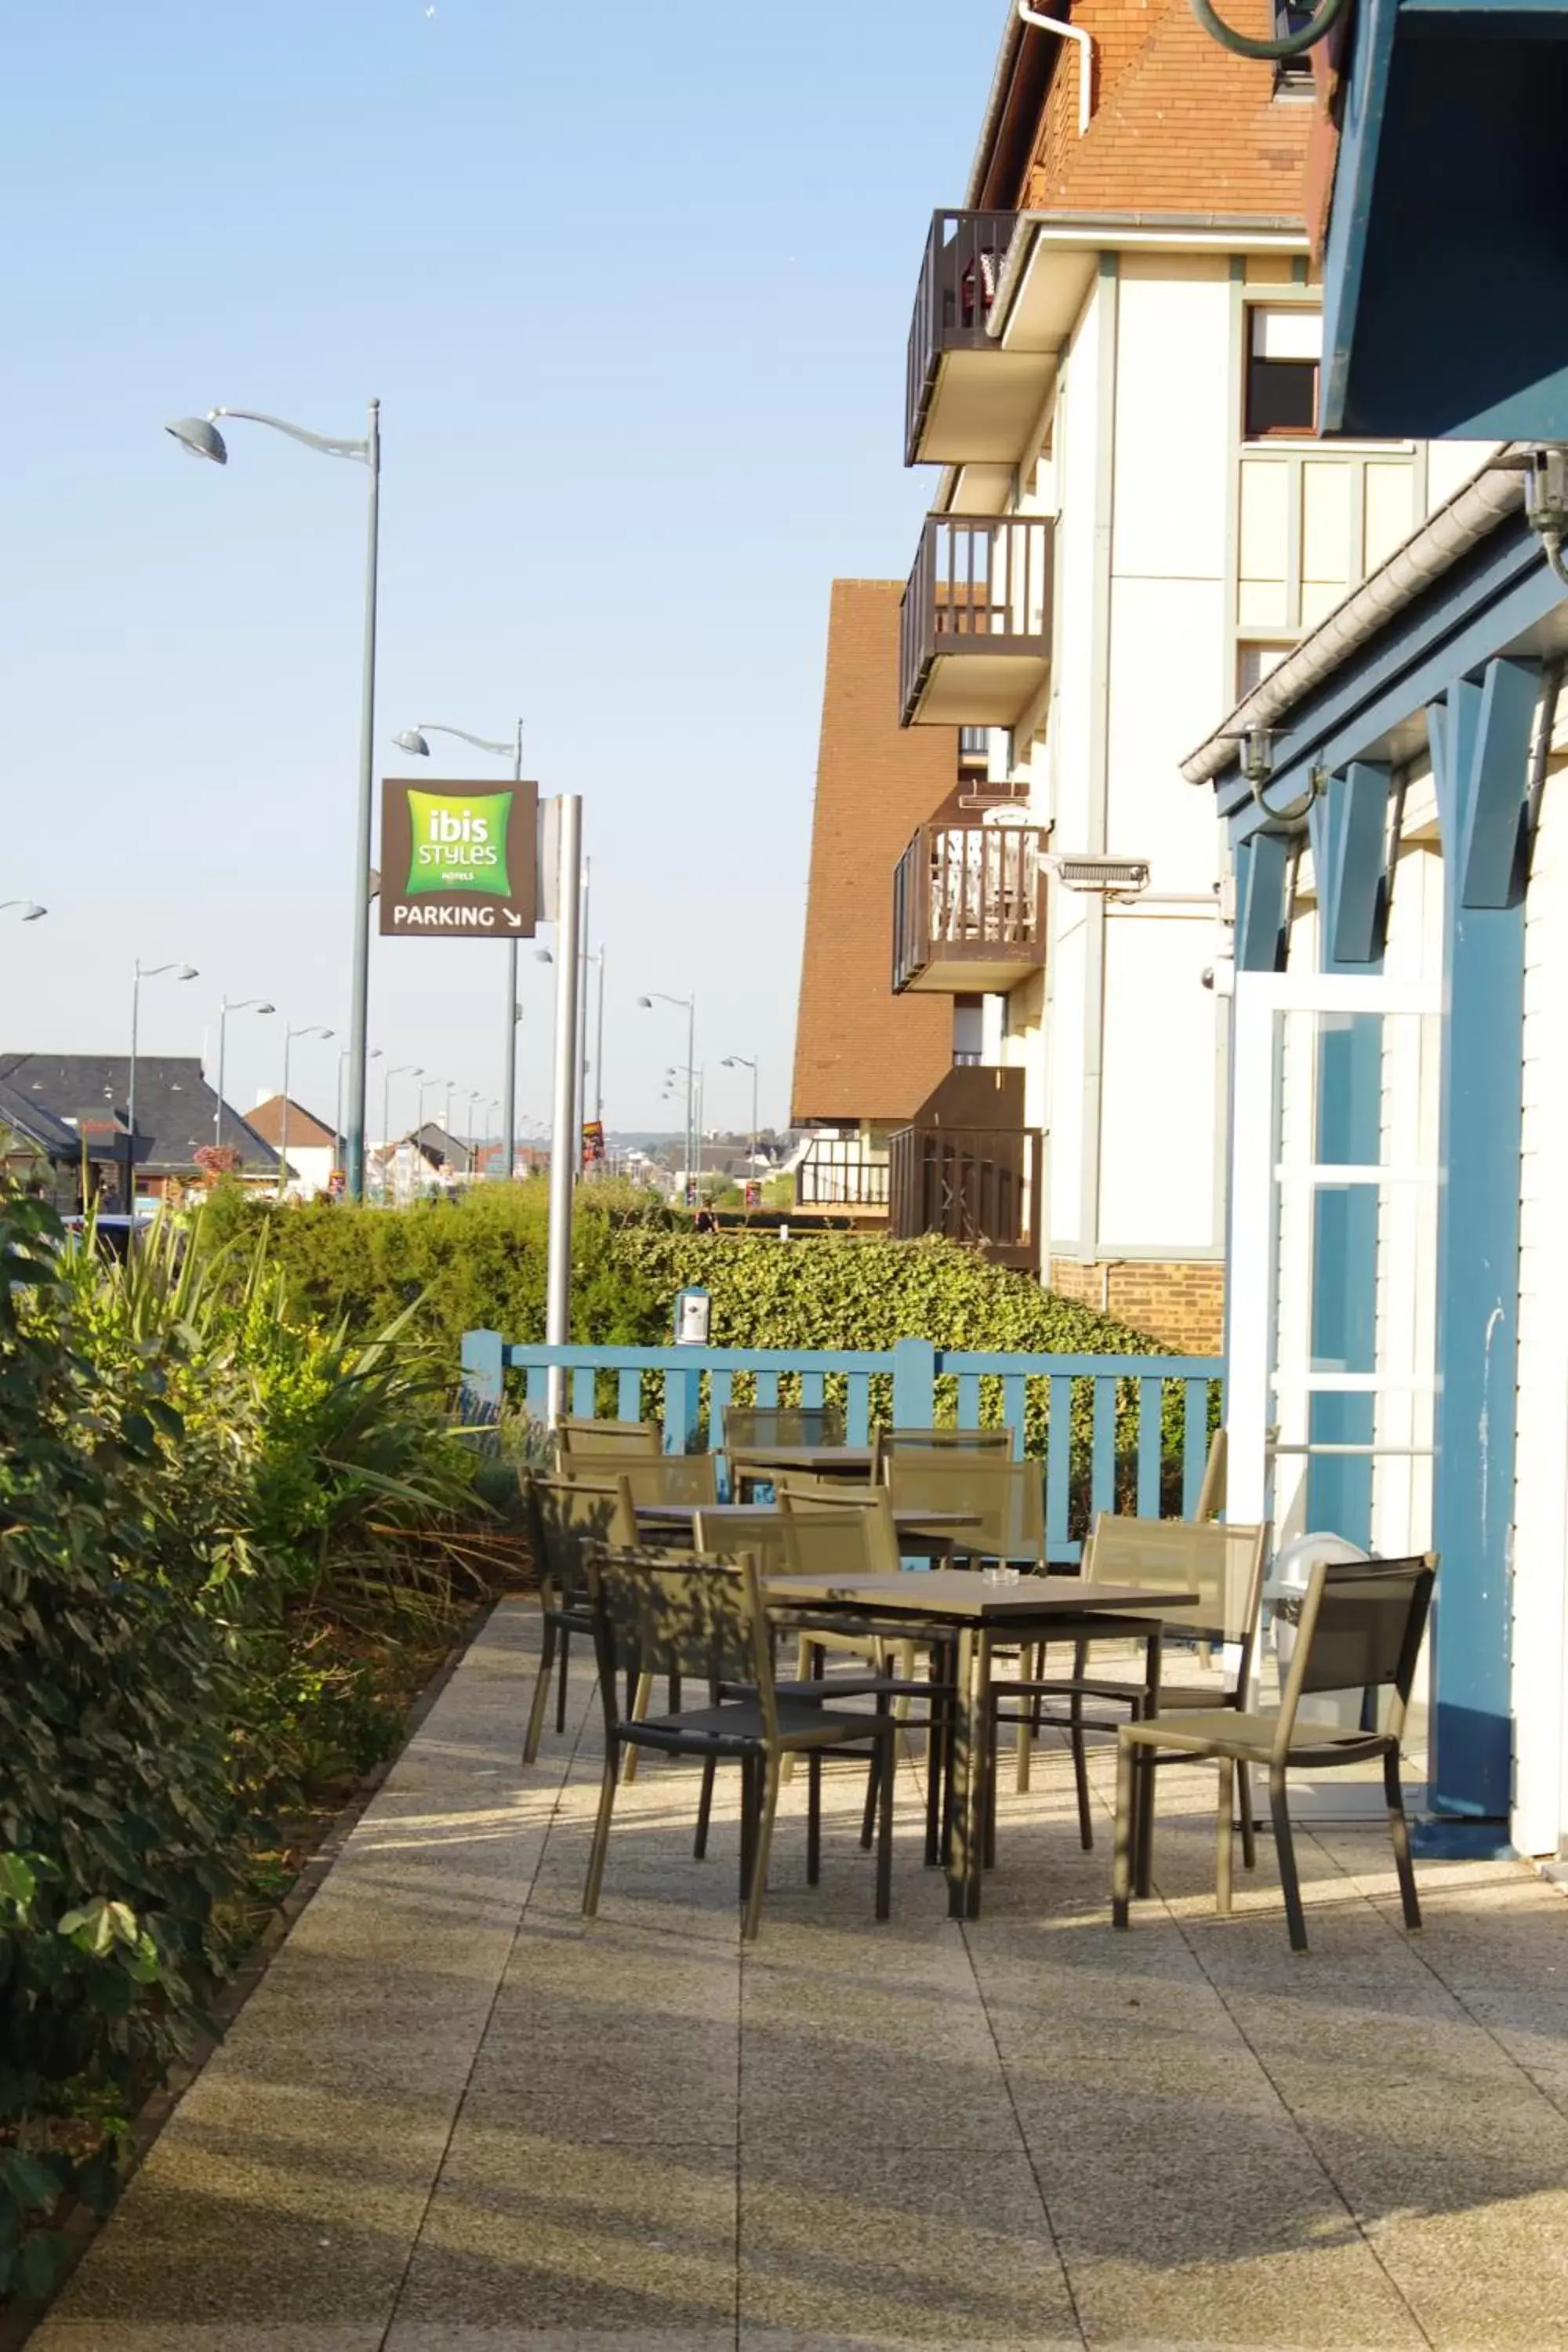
pixel 760 1531
pixel 668 1478
pixel 1224 1564
pixel 565 1517
pixel 672 1613
pixel 808 1489
pixel 848 1538
pixel 585 1441
pixel 782 1424
pixel 929 1441
pixel 1361 1627
pixel 1216 1474
pixel 1006 1498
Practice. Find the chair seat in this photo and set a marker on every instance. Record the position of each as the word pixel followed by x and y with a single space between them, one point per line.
pixel 1250 1738
pixel 735 1726
pixel 1178 1695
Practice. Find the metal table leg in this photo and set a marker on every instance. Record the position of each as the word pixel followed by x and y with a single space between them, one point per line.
pixel 1144 1777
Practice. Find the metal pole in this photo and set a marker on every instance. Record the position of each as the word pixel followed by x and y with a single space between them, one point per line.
pixel 509 1090
pixel 752 1170
pixel 283 1142
pixel 599 1047
pixel 135 1019
pixel 562 1154
pixel 359 1018
pixel 222 1034
pixel 386 1121
pixel 692 1168
pixel 338 1114
pixel 581 1025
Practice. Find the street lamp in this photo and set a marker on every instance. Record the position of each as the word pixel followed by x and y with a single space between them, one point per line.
pixel 425 1086
pixel 312 1029
pixel 398 1070
pixel 374 1055
pixel 141 971
pixel 30 909
pixel 238 1005
pixel 413 739
pixel 688 1006
pixel 200 436
pixel 745 1062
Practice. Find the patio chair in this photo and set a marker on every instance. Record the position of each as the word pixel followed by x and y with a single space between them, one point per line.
pixel 858 1538
pixel 655 1477
pixel 564 1517
pixel 579 1442
pixel 746 1425
pixel 1224 1564
pixel 709 1620
pixel 889 1442
pixel 1006 1497
pixel 1360 1628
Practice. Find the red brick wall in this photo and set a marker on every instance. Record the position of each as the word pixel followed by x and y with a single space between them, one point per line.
pixel 1180 1302
pixel 860 1051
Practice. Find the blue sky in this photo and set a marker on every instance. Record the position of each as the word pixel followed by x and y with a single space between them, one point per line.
pixel 632 284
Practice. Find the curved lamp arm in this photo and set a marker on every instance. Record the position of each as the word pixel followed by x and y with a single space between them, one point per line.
pixel 480 742
pixel 1287 45
pixel 328 444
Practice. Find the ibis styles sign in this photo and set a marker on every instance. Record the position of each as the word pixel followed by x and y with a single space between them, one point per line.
pixel 456 861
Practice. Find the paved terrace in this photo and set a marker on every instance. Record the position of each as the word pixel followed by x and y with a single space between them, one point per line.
pixel 456 2118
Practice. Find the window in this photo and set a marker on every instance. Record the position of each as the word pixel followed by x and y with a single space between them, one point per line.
pixel 1253 664
pixel 1283 349
pixel 1292 75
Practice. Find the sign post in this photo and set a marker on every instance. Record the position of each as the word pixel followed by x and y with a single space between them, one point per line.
pixel 563 1134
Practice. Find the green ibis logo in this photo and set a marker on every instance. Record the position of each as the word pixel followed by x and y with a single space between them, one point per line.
pixel 459 842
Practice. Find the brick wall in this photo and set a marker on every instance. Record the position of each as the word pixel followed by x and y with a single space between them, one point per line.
pixel 860 1051
pixel 1180 1302
pixel 1179 125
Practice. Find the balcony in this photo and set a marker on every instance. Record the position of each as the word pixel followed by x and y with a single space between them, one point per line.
pixel 969 1169
pixel 967 402
pixel 969 910
pixel 840 1172
pixel 975 629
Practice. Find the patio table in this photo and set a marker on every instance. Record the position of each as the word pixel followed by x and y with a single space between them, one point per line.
pixel 753 1464
pixel 932 1532
pixel 978 1611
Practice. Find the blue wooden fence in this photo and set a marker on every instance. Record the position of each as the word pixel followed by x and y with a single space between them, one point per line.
pixel 1112 1432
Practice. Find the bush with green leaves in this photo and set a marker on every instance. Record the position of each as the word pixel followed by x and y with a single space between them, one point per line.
pixel 118 1835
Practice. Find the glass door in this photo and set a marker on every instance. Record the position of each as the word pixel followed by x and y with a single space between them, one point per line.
pixel 1334 1256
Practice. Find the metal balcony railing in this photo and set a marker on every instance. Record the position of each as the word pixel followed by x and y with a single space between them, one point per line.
pixel 840 1176
pixel 977 1186
pixel 980 595
pixel 969 906
pixel 959 277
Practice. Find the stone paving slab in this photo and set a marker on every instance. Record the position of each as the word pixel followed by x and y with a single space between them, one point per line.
pixel 455 2116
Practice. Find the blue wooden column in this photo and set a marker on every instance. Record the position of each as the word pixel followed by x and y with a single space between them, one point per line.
pixel 1349 824
pixel 1480 736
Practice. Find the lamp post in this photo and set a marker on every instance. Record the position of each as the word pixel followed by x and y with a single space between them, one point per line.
pixel 562 1148
pixel 688 1006
pixel 201 437
pixel 745 1062
pixel 141 971
pixel 238 1004
pixel 312 1029
pixel 399 1070
pixel 413 739
pixel 374 1055
pixel 425 1086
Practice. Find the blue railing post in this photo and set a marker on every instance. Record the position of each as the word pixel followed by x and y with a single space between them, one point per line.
pixel 915 1384
pixel 484 1376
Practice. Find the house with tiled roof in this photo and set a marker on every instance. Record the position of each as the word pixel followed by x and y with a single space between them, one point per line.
pixel 56 1108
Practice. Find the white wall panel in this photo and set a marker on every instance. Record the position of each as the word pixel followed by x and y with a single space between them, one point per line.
pixel 1160 1132
pixel 1064 1077
pixel 1173 415
pixel 1168 642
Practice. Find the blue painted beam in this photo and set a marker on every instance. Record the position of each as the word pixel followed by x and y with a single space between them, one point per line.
pixel 1260 882
pixel 1474 613
pixel 1478 753
pixel 1355 183
pixel 1491 845
pixel 1349 824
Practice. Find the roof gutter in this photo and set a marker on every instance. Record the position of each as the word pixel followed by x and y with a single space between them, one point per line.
pixel 1433 549
pixel 995 107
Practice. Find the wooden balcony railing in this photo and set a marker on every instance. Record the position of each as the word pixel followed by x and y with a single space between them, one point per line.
pixel 975 624
pixel 969 909
pixel 840 1176
pixel 959 276
pixel 973 1185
